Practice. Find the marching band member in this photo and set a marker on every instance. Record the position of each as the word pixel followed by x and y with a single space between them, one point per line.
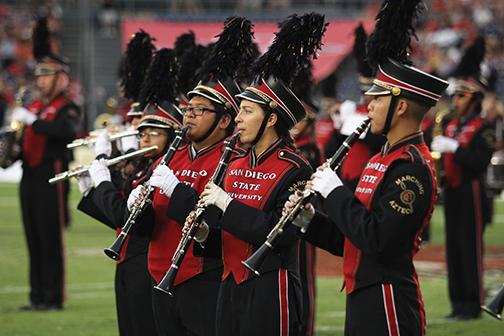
pixel 255 188
pixel 51 122
pixel 468 144
pixel 378 227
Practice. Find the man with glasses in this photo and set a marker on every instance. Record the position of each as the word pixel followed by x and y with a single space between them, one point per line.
pixel 467 146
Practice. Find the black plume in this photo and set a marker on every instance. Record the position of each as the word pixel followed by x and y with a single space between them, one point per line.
pixel 138 57
pixel 359 51
pixel 232 51
pixel 184 42
pixel 190 62
pixel 328 86
pixel 160 83
pixel 469 66
pixel 244 73
pixel 302 83
pixel 297 41
pixel 394 28
pixel 41 39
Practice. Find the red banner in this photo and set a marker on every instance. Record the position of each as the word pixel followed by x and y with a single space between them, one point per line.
pixel 338 39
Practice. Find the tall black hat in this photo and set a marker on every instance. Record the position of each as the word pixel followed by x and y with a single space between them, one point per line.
pixel 48 62
pixel 133 68
pixel 295 43
pixel 231 52
pixel 159 92
pixel 359 53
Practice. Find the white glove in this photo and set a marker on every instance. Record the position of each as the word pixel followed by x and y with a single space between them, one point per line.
pixel 129 143
pixel 304 217
pixel 102 145
pixel 444 144
pixel 134 196
pixel 324 181
pixel 99 172
pixel 85 184
pixel 23 115
pixel 164 178
pixel 214 194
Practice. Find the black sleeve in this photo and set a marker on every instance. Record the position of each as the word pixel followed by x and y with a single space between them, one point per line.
pixel 112 205
pixel 324 234
pixel 182 202
pixel 397 212
pixel 253 225
pixel 477 156
pixel 63 127
pixel 87 206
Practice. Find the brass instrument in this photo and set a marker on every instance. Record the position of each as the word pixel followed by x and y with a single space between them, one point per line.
pixel 255 261
pixel 194 220
pixel 79 171
pixel 114 251
pixel 92 138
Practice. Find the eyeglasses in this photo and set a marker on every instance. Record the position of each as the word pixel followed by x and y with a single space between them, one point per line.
pixel 197 111
pixel 151 134
pixel 462 94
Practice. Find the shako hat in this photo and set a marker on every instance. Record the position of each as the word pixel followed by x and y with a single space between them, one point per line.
pixel 359 54
pixel 48 62
pixel 295 43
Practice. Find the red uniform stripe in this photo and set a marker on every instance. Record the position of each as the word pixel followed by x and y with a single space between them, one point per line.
pixel 390 311
pixel 283 297
pixel 479 231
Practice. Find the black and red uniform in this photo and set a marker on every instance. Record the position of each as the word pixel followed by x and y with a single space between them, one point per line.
pixel 107 204
pixel 269 304
pixel 378 230
pixel 191 310
pixel 307 252
pixel 464 204
pixel 44 206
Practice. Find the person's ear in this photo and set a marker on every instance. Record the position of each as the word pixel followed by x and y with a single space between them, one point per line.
pixel 272 119
pixel 402 107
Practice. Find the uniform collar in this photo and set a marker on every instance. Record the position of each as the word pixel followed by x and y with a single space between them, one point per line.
pixel 194 154
pixel 412 139
pixel 257 160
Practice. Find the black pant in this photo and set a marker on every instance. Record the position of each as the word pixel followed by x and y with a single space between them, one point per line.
pixel 384 309
pixel 464 247
pixel 43 209
pixel 191 309
pixel 307 254
pixel 133 286
pixel 267 305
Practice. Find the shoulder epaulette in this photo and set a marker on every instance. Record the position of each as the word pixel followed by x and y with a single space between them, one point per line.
pixel 292 157
pixel 413 153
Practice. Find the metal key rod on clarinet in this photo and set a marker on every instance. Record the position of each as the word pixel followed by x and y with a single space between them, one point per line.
pixel 255 261
pixel 195 218
pixel 114 251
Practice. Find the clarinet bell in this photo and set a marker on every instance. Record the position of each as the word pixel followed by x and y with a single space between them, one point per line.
pixel 113 252
pixel 495 306
pixel 166 284
pixel 255 261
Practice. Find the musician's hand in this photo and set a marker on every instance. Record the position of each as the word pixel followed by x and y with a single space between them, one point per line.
pixel 324 180
pixel 444 144
pixel 202 230
pixel 99 172
pixel 129 143
pixel 135 195
pixel 23 115
pixel 85 184
pixel 306 214
pixel 164 178
pixel 103 147
pixel 214 194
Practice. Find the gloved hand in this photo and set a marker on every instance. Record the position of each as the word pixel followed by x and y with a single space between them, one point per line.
pixel 129 142
pixel 306 214
pixel 85 184
pixel 202 230
pixel 23 115
pixel 102 145
pixel 444 144
pixel 324 180
pixel 214 194
pixel 135 195
pixel 164 178
pixel 99 172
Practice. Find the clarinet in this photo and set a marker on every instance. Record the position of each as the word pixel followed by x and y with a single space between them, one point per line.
pixel 255 261
pixel 114 251
pixel 195 219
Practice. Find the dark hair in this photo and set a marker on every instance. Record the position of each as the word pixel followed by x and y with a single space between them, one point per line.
pixel 221 111
pixel 282 127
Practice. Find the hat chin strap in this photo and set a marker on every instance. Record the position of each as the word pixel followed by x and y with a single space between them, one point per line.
pixel 390 115
pixel 202 138
pixel 262 128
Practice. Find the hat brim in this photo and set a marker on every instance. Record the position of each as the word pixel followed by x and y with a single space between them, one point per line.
pixel 248 95
pixel 204 94
pixel 155 122
pixel 376 90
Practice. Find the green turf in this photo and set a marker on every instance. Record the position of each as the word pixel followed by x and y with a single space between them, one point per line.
pixel 90 308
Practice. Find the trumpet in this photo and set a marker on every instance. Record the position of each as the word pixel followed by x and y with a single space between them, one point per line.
pixel 92 139
pixel 255 261
pixel 114 251
pixel 195 219
pixel 79 171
